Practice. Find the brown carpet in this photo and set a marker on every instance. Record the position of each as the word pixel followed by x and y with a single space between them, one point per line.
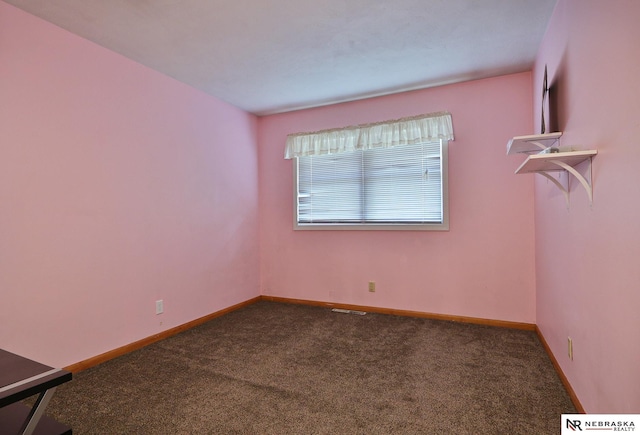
pixel 273 368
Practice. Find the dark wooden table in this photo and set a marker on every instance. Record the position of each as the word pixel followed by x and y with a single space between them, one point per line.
pixel 21 378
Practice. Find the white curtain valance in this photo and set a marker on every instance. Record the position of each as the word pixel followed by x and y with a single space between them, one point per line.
pixel 405 131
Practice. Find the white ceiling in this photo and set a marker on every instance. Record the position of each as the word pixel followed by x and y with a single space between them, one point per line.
pixel 272 56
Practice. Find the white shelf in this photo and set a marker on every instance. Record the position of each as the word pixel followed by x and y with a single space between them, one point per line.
pixel 563 161
pixel 532 144
pixel 554 161
pixel 541 160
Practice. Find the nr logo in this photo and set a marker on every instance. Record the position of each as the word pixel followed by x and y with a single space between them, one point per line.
pixel 574 424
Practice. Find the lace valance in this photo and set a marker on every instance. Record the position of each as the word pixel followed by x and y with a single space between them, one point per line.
pixel 405 131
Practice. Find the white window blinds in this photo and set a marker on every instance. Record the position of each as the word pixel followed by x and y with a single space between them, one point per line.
pixel 399 185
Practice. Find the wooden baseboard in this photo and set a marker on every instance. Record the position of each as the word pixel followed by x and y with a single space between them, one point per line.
pixel 563 378
pixel 94 361
pixel 407 313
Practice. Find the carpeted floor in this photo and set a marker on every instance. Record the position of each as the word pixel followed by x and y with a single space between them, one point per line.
pixel 273 368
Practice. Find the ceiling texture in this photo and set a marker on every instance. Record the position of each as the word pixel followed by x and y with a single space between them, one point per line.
pixel 273 56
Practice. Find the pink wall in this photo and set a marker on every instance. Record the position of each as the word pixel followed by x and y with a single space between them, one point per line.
pixel 588 275
pixel 483 267
pixel 118 186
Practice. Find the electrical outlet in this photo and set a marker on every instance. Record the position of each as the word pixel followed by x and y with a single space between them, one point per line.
pixel 372 286
pixel 570 347
pixel 159 307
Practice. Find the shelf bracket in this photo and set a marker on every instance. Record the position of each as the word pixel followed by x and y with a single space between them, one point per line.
pixel 570 169
pixel 554 180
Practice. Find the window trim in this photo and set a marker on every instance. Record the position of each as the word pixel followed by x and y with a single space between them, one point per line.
pixel 443 226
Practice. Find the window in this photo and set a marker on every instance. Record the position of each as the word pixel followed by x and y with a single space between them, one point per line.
pixel 400 187
pixel 384 175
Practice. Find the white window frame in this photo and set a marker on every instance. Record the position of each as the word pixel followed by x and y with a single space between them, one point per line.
pixel 442 226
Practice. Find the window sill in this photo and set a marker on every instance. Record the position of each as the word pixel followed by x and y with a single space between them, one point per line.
pixel 371 227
